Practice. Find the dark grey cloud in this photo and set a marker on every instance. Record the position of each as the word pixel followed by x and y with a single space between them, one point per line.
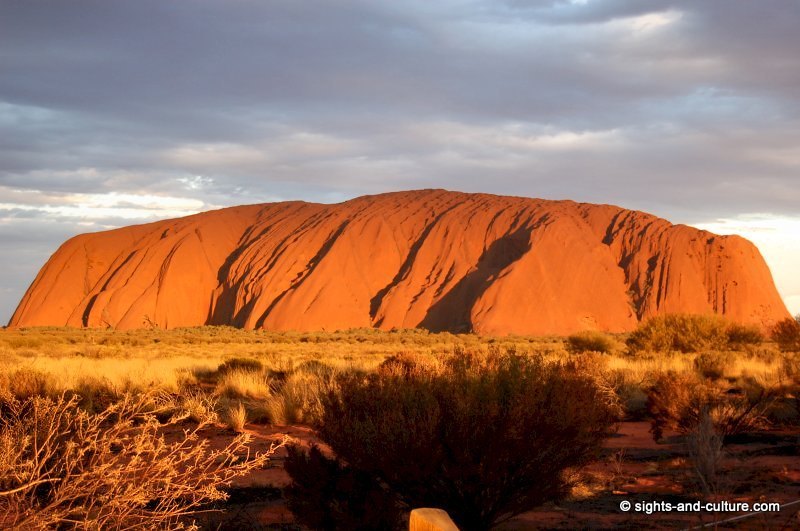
pixel 690 110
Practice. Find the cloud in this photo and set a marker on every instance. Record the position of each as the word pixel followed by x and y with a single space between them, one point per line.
pixel 115 112
pixel 778 239
pixel 89 207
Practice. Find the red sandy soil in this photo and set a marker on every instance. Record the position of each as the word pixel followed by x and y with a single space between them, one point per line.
pixel 635 468
pixel 761 467
pixel 431 258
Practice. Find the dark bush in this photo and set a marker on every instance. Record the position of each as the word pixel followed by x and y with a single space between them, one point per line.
pixel 670 400
pixel 326 494
pixel 484 438
pixel 405 364
pixel 790 374
pixel 240 364
pixel 315 367
pixel 95 395
pixel 712 364
pixel 679 400
pixel 786 334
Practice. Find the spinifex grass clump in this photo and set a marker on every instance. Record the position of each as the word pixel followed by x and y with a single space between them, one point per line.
pixel 483 437
pixel 243 383
pixel 235 417
pixel 298 399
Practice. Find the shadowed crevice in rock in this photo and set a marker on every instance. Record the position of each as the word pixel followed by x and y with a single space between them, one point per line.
pixel 452 311
pixel 312 265
pixel 375 302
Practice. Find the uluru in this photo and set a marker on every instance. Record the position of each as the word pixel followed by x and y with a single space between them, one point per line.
pixel 433 259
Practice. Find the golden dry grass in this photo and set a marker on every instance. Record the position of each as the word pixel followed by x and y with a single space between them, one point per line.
pixel 170 359
pixel 288 372
pixel 125 373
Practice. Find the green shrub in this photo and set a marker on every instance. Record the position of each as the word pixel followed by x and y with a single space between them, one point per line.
pixel 686 333
pixel 740 335
pixel 592 341
pixel 786 334
pixel 484 438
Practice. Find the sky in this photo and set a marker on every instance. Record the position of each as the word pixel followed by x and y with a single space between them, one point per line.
pixel 114 113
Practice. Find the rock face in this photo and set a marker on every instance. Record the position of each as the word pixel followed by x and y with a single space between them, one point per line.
pixel 433 259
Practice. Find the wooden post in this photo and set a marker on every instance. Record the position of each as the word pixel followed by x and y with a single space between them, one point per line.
pixel 430 520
